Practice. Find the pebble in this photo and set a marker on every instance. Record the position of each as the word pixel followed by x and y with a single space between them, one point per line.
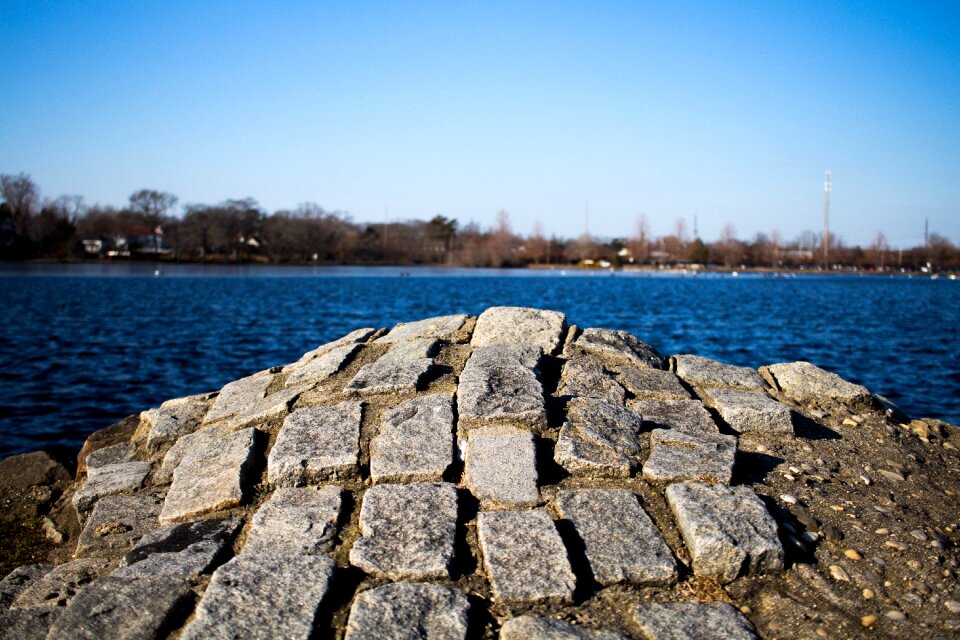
pixel 832 533
pixel 883 531
pixel 868 594
pixel 899 546
pixel 807 521
pixel 789 499
pixel 952 606
pixel 914 564
pixel 839 574
pixel 867 481
pixel 821 632
pixel 847 422
pixel 789 477
pixel 853 555
pixel 919 535
pixel 877 560
pixel 795 470
pixel 896 616
pixel 868 621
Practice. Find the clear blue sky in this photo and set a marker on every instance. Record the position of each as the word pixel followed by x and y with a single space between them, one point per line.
pixel 729 112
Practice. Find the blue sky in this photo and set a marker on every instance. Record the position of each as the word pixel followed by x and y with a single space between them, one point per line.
pixel 729 112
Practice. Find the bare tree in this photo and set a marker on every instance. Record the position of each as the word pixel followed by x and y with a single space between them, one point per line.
pixel 153 206
pixel 639 242
pixel 22 198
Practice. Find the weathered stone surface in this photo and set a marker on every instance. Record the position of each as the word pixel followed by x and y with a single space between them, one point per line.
pixel 500 467
pixel 807 383
pixel 750 411
pixel 501 384
pixel 323 366
pixel 727 530
pixel 262 595
pixel 27 470
pixel 187 443
pixel 399 370
pixel 26 624
pixel 186 549
pixel 585 378
pixel 60 584
pixel 109 480
pixel 622 543
pixel 407 531
pixel 704 372
pixel 211 477
pixel 175 418
pixel 524 557
pixel 298 520
pixel 619 345
pixel 406 611
pixel 439 328
pixel 415 442
pixel 509 325
pixel 125 608
pixel 268 410
pixel 691 621
pixel 316 443
pixel 599 438
pixel 19 579
pixel 354 337
pixel 122 431
pixel 114 454
pixel 535 628
pixel 239 397
pixel 116 523
pixel 652 384
pixel 676 455
pixel 688 415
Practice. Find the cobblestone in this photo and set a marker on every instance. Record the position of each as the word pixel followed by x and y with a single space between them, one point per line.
pixel 301 520
pixel 500 467
pixel 415 442
pixel 316 444
pixel 510 325
pixel 676 455
pixel 406 611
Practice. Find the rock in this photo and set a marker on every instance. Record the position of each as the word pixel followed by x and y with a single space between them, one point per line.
pixel 501 384
pixel 301 520
pixel 599 439
pixel 408 531
pixel 114 454
pixel 524 557
pixel 868 620
pixel 896 616
pixel 114 434
pixel 187 549
pixel 264 413
pixel 726 529
pixel 439 328
pixel 125 608
pixel 116 523
pixel 184 445
pixel 500 467
pixel 837 573
pixel 652 384
pixel 176 418
pixel 621 542
pixel 239 397
pixel 405 611
pixel 26 624
pixel 323 366
pixel 691 621
pixel 354 337
pixel 585 378
pixel 262 595
pixel 892 476
pixel 38 468
pixel 510 325
pixel 399 370
pixel 750 411
pixel 619 345
pixel 531 627
pixel 415 441
pixel 688 416
pixel 676 455
pixel 806 383
pixel 59 585
pixel 704 373
pixel 211 477
pixel 315 444
pixel 109 480
pixel 19 579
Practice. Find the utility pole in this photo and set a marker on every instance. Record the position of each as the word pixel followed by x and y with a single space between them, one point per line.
pixel 826 221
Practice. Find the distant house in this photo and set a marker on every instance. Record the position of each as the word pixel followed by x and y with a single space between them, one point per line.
pixel 138 239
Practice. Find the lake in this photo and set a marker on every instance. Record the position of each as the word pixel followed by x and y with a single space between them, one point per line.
pixel 83 346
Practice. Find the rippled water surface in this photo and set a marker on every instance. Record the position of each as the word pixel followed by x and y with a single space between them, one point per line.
pixel 83 346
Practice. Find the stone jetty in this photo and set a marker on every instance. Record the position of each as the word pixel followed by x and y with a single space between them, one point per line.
pixel 505 476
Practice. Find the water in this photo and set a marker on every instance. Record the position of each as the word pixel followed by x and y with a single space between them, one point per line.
pixel 83 346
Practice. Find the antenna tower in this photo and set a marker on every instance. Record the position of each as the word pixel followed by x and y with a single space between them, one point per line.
pixel 826 221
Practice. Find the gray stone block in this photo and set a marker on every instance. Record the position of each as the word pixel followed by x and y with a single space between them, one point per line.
pixel 599 438
pixel 500 467
pixel 125 608
pixel 619 345
pixel 405 611
pixel 535 628
pixel 675 455
pixel 323 366
pixel 175 418
pixel 524 557
pixel 19 579
pixel 184 445
pixel 691 621
pixel 114 454
pixel 186 549
pixel 703 372
pixel 116 523
pixel 399 370
pixel 270 409
pixel 59 585
pixel 302 520
pixel 415 441
pixel 750 411
pixel 124 477
pixel 586 378
pixel 316 443
pixel 263 596
pixel 622 544
pixel 510 325
pixel 408 531
pixel 689 415
pixel 439 328
pixel 239 396
pixel 500 384
pixel 212 477
pixel 354 337
pixel 652 384
pixel 727 530
pixel 807 383
pixel 27 624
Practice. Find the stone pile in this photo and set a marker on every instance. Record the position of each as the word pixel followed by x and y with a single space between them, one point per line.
pixel 506 476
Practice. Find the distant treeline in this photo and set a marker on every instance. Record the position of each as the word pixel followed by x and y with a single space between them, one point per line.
pixel 64 228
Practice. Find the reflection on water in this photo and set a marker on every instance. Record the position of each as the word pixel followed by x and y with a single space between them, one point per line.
pixel 85 345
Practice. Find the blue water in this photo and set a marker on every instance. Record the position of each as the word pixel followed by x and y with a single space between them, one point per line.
pixel 83 346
